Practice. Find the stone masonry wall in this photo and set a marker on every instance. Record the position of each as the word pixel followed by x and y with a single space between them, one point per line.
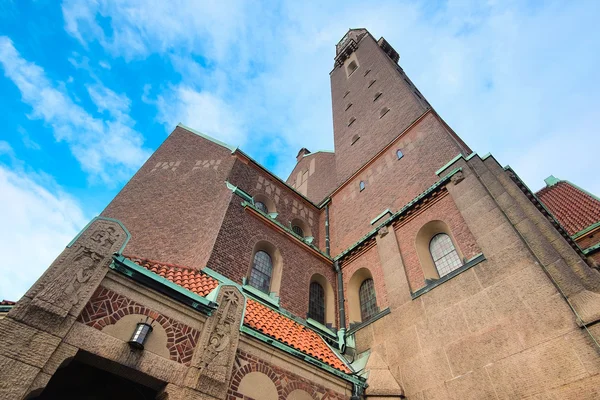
pixel 443 210
pixel 499 330
pixel 285 381
pixel 177 199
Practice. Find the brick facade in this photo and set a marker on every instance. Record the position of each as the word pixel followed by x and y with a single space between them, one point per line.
pixel 444 209
pixel 178 199
pixel 285 381
pixel 374 132
pixel 391 182
pixel 107 307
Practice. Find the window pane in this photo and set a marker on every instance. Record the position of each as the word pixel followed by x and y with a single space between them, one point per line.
pixel 262 269
pixel 298 231
pixel 444 254
pixel 261 206
pixel 316 304
pixel 368 302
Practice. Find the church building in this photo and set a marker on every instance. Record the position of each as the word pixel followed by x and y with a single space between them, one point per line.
pixel 402 265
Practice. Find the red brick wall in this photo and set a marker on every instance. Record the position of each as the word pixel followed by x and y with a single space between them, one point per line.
pixel 444 210
pixel 589 240
pixel 174 211
pixel 321 181
pixel 375 132
pixel 107 307
pixel 289 205
pixel 391 183
pixel 285 381
pixel 233 248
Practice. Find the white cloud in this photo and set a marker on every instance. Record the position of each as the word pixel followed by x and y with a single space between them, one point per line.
pixel 108 149
pixel 201 110
pixel 38 221
pixel 508 76
pixel 27 140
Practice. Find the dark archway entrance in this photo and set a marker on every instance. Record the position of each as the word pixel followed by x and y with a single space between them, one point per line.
pixel 99 380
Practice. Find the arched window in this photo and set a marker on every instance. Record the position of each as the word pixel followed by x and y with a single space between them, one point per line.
pixel 361 185
pixel 262 270
pixel 298 231
pixel 444 255
pixel 399 154
pixel 316 302
pixel 368 301
pixel 261 206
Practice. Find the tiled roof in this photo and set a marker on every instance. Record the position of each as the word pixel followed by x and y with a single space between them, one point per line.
pixel 7 303
pixel 285 330
pixel 258 316
pixel 189 278
pixel 572 207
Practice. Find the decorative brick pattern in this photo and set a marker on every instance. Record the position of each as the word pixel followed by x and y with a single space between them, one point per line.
pixel 285 381
pixel 107 307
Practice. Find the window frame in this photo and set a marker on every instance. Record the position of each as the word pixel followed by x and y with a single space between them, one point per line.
pixel 256 273
pixel 367 298
pixel 443 270
pixel 316 302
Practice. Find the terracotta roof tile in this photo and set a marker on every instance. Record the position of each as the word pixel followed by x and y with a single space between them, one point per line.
pixel 572 207
pixel 189 278
pixel 258 316
pixel 7 303
pixel 288 331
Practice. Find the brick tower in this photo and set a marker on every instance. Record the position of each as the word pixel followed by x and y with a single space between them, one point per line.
pixel 400 265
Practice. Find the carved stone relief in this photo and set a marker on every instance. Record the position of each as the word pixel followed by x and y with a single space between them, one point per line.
pixel 213 361
pixel 71 280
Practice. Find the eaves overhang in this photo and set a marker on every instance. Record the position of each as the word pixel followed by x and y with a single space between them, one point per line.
pixel 397 215
pixel 162 285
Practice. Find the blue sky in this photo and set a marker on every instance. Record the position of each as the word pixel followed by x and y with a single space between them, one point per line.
pixel 90 89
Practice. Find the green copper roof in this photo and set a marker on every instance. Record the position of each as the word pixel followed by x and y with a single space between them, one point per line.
pixel 551 180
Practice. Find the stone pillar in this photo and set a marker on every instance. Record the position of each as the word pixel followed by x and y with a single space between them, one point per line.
pixel 394 274
pixel 33 330
pixel 212 365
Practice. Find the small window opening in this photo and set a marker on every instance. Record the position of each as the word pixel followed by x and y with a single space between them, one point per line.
pixel 298 231
pixel 261 206
pixel 417 94
pixel 316 304
pixel 368 301
pixel 347 93
pixel 399 154
pixel 351 121
pixel 367 72
pixel 377 95
pixel 353 66
pixel 354 139
pixel 262 270
pixel 444 254
pixel 383 111
pixel 361 185
pixel 372 82
pixel 348 106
